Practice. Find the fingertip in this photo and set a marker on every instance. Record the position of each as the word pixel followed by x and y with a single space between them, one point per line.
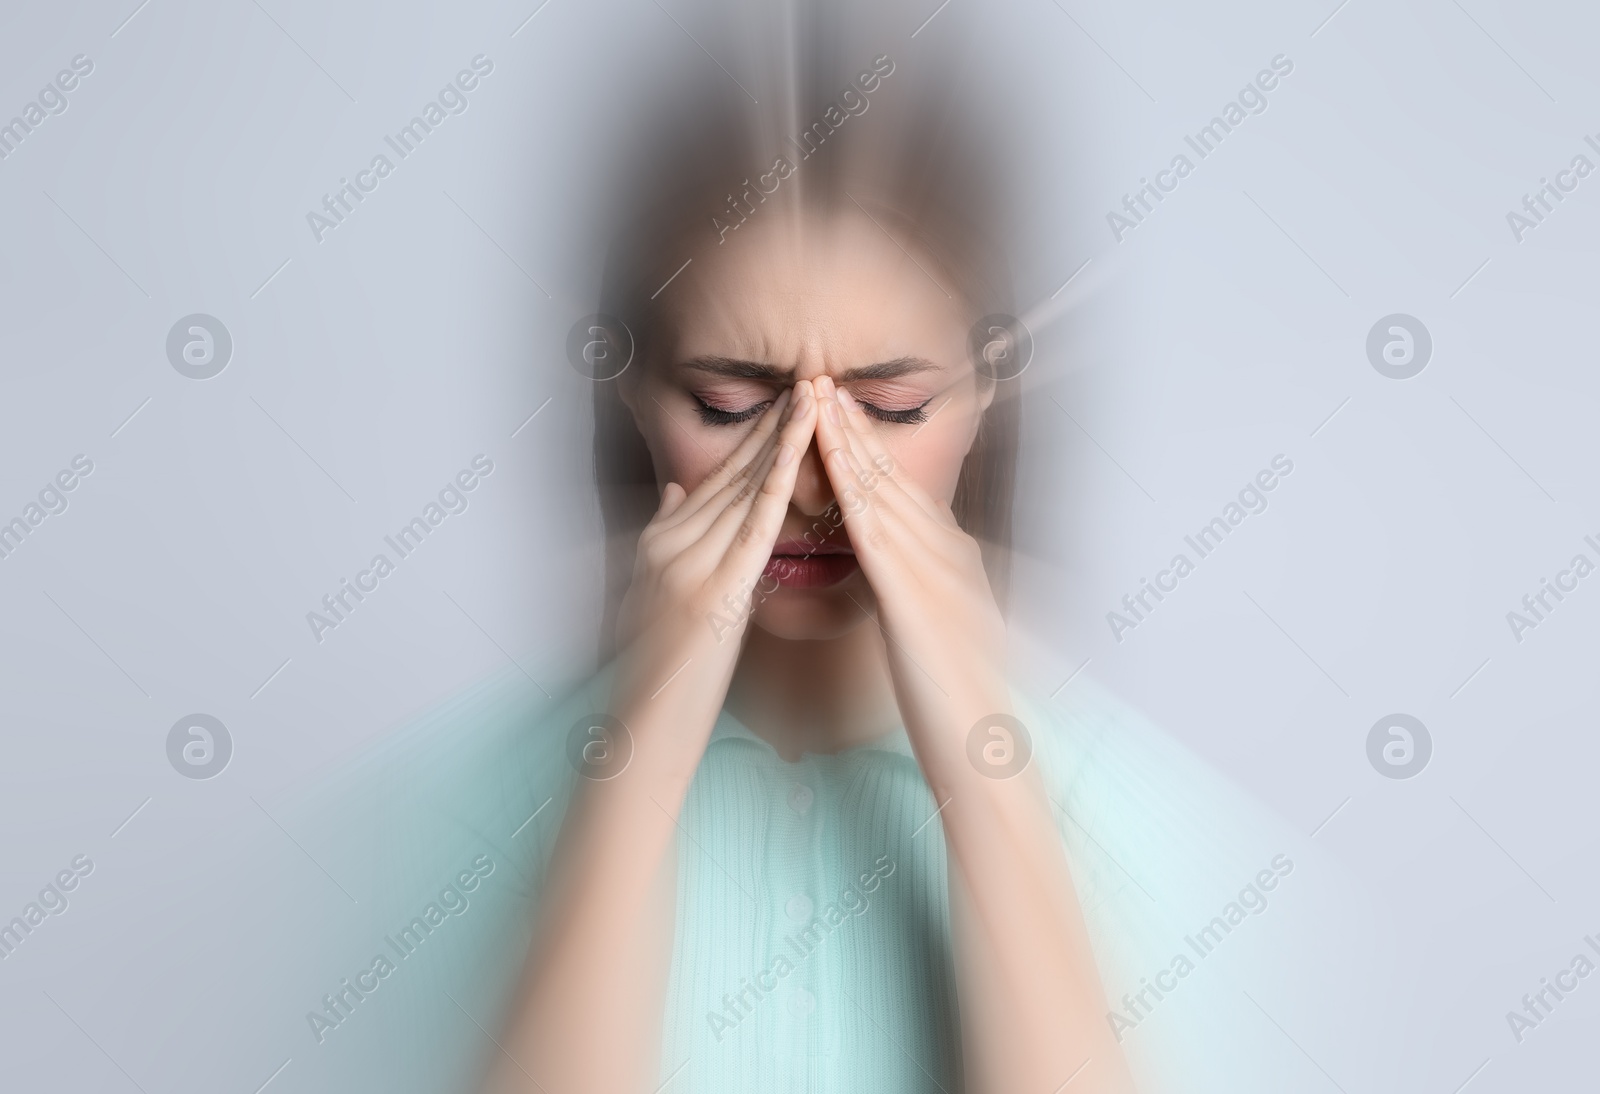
pixel 830 411
pixel 806 402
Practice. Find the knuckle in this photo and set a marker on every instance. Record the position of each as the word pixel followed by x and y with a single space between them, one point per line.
pixel 654 552
pixel 968 551
pixel 676 576
pixel 703 605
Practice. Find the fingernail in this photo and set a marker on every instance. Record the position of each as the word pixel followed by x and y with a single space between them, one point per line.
pixel 831 409
pixel 846 398
pixel 785 455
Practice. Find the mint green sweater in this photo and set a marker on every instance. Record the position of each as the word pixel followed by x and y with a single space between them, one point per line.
pixel 812 946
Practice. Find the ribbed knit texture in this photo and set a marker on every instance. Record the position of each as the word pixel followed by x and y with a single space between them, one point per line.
pixel 1156 843
pixel 812 937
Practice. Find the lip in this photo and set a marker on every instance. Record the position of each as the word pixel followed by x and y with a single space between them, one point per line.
pixel 799 548
pixel 796 564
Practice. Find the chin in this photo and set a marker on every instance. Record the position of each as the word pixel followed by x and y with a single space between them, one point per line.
pixel 799 615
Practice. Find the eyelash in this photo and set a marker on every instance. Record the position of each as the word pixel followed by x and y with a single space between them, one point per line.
pixel 711 415
pixel 910 416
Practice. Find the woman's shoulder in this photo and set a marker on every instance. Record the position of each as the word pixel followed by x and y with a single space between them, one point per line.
pixel 486 768
pixel 1085 734
pixel 1146 820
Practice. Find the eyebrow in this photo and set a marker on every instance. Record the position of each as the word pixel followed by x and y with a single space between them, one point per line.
pixel 760 370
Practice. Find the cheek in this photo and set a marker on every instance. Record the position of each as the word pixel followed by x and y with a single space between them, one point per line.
pixel 685 452
pixel 678 460
pixel 933 458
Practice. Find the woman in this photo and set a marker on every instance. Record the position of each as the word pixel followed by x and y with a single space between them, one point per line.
pixel 805 856
pixel 813 840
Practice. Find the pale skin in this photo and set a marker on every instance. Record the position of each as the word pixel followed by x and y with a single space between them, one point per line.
pixel 814 370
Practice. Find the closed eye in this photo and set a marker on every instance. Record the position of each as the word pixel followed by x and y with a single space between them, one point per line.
pixel 714 415
pixel 909 416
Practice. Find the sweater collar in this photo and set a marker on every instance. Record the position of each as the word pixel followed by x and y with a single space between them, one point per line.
pixel 729 728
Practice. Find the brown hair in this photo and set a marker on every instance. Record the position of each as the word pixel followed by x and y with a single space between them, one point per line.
pixel 922 172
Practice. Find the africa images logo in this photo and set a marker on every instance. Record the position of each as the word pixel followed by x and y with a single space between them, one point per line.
pixel 51 101
pixel 339 1005
pixel 1251 499
pixel 452 99
pixel 852 102
pixel 1252 99
pixel 452 499
pixel 853 902
pixel 1252 900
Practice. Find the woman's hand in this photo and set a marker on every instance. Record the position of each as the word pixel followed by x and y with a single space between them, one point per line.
pixel 605 934
pixel 697 567
pixel 945 636
pixel 1031 999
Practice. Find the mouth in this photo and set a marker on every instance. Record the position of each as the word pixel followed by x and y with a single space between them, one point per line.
pixel 796 564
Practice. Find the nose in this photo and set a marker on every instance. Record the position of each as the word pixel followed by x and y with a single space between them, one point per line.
pixel 813 493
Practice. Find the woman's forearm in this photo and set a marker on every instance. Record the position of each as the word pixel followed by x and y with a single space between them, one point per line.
pixel 590 1015
pixel 590 1005
pixel 589 1018
pixel 1032 1006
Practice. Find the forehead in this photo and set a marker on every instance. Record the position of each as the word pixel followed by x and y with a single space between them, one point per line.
pixel 816 292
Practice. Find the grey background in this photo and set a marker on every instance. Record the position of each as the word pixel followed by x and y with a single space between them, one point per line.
pixel 369 368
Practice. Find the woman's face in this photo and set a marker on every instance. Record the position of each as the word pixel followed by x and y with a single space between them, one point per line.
pixel 797 299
